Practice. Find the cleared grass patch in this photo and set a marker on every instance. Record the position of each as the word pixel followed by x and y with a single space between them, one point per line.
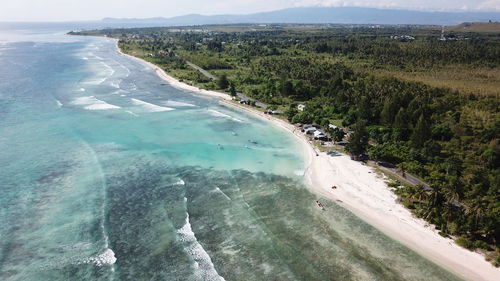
pixel 466 80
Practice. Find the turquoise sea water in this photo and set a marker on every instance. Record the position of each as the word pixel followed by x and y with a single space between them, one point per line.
pixel 107 174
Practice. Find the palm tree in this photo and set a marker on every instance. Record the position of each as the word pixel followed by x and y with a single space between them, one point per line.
pixel 477 210
pixel 419 193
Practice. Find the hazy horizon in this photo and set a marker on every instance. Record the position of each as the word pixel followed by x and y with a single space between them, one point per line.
pixel 91 10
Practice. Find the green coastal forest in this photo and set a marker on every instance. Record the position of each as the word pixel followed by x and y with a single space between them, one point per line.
pixel 428 106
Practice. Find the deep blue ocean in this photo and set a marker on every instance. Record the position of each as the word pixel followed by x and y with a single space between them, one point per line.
pixel 106 173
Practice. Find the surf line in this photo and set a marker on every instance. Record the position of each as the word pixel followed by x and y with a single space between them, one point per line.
pixel 108 256
pixel 195 250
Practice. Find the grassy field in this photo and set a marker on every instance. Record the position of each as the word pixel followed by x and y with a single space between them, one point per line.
pixel 489 27
pixel 481 81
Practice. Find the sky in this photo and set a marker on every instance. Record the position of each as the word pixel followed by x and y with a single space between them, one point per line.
pixel 74 10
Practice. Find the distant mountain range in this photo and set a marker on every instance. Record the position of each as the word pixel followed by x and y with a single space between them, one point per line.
pixel 322 15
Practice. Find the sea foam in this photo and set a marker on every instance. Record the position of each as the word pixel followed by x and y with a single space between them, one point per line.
pixel 200 256
pixel 217 189
pixel 105 258
pixel 91 103
pixel 178 104
pixel 150 107
pixel 223 115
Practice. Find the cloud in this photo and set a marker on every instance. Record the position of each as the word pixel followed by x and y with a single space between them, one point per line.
pixel 443 5
pixel 490 5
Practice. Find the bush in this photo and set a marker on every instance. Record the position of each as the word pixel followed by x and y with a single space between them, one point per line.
pixel 482 245
pixel 443 234
pixel 465 242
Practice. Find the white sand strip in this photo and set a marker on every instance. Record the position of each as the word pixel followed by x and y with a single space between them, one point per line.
pixel 176 83
pixel 364 193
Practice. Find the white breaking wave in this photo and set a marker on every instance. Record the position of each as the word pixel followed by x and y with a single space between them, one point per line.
pixel 201 257
pixel 223 194
pixel 223 115
pixel 91 103
pixel 59 104
pixel 130 112
pixel 151 107
pixel 115 84
pixel 120 92
pixel 105 258
pixel 96 81
pixel 85 58
pixel 299 172
pixel 81 90
pixel 178 104
pixel 110 70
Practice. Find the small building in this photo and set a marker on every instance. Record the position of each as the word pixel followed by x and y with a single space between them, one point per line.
pixel 331 126
pixel 309 130
pixel 319 135
pixel 301 107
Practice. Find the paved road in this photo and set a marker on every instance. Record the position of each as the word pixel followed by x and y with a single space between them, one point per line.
pixel 257 103
pixel 203 71
pixel 405 177
pixel 240 95
pixel 411 180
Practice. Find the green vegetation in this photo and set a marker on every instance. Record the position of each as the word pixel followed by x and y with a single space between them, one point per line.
pixel 397 94
pixel 493 27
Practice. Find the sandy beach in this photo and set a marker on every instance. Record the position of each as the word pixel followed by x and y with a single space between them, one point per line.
pixel 174 82
pixel 364 192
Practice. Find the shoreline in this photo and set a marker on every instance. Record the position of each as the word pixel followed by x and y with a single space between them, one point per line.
pixel 362 191
pixel 174 82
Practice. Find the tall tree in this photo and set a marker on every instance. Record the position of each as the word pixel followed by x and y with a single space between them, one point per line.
pixel 400 129
pixel 388 111
pixel 364 109
pixel 287 88
pixel 421 133
pixel 232 89
pixel 223 82
pixel 337 134
pixel 358 142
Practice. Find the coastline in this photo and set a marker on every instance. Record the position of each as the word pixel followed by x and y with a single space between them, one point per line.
pixel 174 82
pixel 362 191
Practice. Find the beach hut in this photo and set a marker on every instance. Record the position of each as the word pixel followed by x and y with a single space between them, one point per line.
pixel 319 135
pixel 309 130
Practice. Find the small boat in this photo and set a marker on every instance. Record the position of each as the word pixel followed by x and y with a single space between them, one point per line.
pixel 320 205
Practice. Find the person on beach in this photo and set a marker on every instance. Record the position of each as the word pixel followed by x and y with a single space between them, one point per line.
pixel 320 205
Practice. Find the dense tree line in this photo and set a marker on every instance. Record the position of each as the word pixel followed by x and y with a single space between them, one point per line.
pixel 449 139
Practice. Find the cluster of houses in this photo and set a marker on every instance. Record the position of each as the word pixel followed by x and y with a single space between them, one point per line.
pixel 318 134
pixel 315 132
pixel 402 37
